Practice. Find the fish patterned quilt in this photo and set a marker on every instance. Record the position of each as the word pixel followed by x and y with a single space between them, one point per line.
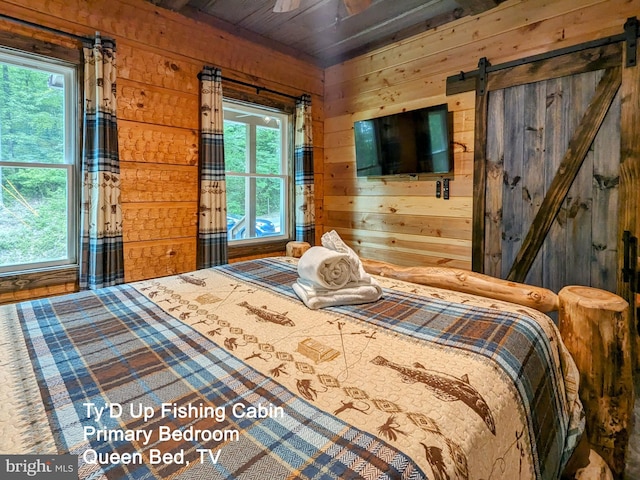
pixel 223 373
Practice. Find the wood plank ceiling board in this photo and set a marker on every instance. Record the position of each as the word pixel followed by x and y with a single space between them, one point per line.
pixel 476 6
pixel 324 31
pixel 345 34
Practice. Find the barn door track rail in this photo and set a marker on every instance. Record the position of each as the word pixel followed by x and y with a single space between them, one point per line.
pixel 476 79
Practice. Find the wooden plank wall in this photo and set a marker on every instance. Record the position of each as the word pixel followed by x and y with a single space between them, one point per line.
pixel 402 221
pixel 159 55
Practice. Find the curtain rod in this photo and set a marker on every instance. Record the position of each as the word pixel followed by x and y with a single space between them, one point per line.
pixel 259 88
pixel 49 29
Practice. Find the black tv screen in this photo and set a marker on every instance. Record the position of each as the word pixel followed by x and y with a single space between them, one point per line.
pixel 407 143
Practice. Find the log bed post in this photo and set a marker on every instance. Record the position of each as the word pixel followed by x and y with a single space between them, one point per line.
pixel 297 249
pixel 595 328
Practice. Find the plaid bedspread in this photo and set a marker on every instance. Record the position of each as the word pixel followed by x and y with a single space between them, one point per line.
pixel 223 373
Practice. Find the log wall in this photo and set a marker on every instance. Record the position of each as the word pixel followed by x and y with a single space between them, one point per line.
pixel 159 55
pixel 402 221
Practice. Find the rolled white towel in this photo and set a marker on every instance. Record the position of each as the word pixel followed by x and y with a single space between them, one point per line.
pixel 353 294
pixel 332 241
pixel 325 268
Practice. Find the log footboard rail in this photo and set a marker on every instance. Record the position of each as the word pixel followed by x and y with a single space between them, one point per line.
pixel 465 281
pixel 595 326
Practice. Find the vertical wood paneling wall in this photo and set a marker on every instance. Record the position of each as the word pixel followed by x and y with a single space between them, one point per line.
pixel 159 56
pixel 402 221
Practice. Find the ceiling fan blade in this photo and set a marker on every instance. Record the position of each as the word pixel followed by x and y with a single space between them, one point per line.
pixel 286 5
pixel 356 6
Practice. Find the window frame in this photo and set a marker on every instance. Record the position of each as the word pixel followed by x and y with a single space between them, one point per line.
pixel 65 62
pixel 255 244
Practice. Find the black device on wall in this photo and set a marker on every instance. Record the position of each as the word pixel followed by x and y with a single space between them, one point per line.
pixel 406 143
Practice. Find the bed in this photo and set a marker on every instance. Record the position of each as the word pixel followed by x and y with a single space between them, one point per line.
pixel 224 373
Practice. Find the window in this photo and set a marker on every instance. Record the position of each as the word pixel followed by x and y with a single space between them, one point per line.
pixel 256 143
pixel 37 162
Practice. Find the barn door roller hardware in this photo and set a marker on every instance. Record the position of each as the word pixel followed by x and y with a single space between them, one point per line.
pixel 630 266
pixel 483 64
pixel 467 81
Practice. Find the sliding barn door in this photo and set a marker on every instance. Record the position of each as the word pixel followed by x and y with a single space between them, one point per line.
pixel 556 176
pixel 533 132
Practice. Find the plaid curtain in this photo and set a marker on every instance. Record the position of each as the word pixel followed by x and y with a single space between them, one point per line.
pixel 305 205
pixel 212 215
pixel 101 250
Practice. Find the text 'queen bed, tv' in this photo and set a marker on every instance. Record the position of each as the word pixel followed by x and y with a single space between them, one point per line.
pixel 224 373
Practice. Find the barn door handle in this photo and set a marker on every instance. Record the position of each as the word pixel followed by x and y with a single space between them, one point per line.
pixel 631 38
pixel 629 269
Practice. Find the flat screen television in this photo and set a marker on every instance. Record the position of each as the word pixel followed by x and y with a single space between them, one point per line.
pixel 407 143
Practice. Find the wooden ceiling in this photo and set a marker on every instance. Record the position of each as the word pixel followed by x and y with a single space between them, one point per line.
pixel 322 31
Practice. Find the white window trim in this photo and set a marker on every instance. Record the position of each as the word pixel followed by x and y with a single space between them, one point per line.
pixel 286 167
pixel 69 72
